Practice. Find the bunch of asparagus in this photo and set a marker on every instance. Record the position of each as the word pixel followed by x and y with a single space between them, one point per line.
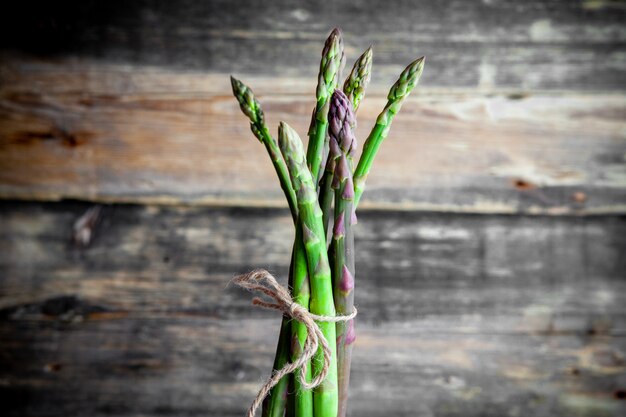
pixel 323 189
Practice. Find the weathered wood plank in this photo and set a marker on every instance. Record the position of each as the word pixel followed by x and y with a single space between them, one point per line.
pixel 459 314
pixel 532 44
pixel 117 133
pixel 202 366
pixel 178 251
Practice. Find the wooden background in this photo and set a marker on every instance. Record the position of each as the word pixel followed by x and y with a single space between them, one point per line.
pixel 492 235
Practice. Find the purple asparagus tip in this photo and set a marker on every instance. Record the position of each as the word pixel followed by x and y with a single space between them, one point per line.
pixel 342 121
pixel 347 280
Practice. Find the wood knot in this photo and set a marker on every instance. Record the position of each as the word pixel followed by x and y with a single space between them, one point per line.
pixel 523 185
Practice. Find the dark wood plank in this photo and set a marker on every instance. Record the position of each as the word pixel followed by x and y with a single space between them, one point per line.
pixel 119 133
pixel 460 315
pixel 558 44
pixel 170 366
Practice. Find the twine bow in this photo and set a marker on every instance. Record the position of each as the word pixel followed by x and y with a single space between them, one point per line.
pixel 262 281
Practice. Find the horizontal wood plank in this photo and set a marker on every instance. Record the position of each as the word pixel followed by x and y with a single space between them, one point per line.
pixel 559 44
pixel 460 315
pixel 139 134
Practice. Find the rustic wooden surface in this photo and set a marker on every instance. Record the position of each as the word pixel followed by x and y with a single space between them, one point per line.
pixel 522 107
pixel 461 315
pixel 119 134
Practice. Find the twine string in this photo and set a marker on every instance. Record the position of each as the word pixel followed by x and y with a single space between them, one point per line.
pixel 262 281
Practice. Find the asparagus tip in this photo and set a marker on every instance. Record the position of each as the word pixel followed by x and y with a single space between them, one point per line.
pixel 236 84
pixel 367 55
pixel 334 40
pixel 408 79
pixel 336 32
pixel 416 67
pixel 289 142
pixel 342 121
pixel 358 79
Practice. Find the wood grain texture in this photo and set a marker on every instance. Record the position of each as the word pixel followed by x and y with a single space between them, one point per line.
pixel 139 134
pixel 536 44
pixel 460 315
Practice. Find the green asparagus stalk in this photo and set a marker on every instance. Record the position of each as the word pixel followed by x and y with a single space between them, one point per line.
pixel 330 67
pixel 400 91
pixel 313 236
pixel 354 89
pixel 341 130
pixel 300 290
pixel 274 403
pixel 290 345
pixel 251 107
pixel 355 84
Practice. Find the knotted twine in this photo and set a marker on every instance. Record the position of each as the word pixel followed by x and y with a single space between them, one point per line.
pixel 262 281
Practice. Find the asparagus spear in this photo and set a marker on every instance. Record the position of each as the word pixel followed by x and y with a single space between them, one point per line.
pixel 300 290
pixel 251 107
pixel 274 403
pixel 313 236
pixel 399 91
pixel 341 129
pixel 354 86
pixel 332 61
pixel 354 89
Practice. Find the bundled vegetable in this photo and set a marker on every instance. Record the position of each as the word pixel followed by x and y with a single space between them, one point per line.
pixel 323 188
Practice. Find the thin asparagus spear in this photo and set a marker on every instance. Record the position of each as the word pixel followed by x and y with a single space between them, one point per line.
pixel 355 84
pixel 341 128
pixel 400 90
pixel 300 290
pixel 313 236
pixel 330 68
pixel 274 403
pixel 251 107
pixel 354 89
pixel 290 344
